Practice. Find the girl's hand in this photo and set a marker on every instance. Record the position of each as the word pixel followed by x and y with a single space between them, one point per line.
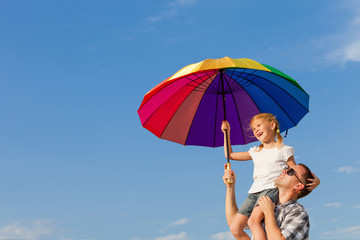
pixel 266 205
pixel 225 126
pixel 313 182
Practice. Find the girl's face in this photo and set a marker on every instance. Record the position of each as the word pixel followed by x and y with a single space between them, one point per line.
pixel 263 130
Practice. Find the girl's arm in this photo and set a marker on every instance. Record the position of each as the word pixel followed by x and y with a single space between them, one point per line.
pixel 291 161
pixel 313 182
pixel 239 156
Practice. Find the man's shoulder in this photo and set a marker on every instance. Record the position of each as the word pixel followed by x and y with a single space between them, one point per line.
pixel 293 206
pixel 297 205
pixel 296 208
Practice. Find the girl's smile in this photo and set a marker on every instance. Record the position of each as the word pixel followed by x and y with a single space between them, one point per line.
pixel 263 130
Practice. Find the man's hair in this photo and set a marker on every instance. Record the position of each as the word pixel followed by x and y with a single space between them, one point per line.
pixel 304 179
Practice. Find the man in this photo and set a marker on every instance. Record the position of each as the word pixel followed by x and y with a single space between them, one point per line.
pixel 288 219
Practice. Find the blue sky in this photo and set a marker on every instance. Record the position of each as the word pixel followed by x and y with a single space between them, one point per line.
pixel 76 163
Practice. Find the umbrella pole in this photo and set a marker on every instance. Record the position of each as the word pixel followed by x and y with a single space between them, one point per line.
pixel 228 165
pixel 226 133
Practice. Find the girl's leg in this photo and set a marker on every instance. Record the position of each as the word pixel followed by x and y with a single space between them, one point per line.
pixel 237 227
pixel 255 224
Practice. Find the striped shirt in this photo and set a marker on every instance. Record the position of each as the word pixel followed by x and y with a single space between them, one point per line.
pixel 292 220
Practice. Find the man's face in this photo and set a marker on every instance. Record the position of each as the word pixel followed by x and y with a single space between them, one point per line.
pixel 284 180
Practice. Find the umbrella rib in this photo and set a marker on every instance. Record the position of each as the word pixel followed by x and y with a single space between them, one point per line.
pixel 283 88
pixel 173 81
pixel 192 81
pixel 239 85
pixel 242 132
pixel 184 100
pixel 202 97
pixel 251 82
pixel 158 106
pixel 216 109
pixel 204 85
pixel 271 96
pixel 161 104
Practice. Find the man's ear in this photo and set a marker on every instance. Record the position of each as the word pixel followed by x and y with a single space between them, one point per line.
pixel 299 186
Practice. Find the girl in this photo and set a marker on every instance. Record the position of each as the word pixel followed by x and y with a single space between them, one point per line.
pixel 269 159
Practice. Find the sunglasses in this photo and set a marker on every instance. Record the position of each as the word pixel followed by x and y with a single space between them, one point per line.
pixel 291 172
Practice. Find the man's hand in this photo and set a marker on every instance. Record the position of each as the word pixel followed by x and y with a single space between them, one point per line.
pixel 228 174
pixel 266 205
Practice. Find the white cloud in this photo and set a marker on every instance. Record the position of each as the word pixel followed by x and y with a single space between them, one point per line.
pixel 180 236
pixel 357 207
pixel 176 223
pixel 334 204
pixel 342 233
pixel 36 231
pixel 223 236
pixel 179 222
pixel 349 52
pixel 348 169
pixel 33 230
pixel 346 45
pixel 355 21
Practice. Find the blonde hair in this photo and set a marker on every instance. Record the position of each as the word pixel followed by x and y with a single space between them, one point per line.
pixel 269 118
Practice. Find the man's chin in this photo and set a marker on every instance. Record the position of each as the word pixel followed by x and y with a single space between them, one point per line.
pixel 277 181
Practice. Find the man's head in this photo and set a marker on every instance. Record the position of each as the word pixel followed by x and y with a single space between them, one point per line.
pixel 295 180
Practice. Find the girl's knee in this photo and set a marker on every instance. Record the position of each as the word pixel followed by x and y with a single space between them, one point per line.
pixel 254 223
pixel 255 219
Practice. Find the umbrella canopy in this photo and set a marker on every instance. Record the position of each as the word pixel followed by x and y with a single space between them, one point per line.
pixel 189 107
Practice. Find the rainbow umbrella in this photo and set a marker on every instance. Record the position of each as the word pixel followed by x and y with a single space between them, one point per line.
pixel 189 107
